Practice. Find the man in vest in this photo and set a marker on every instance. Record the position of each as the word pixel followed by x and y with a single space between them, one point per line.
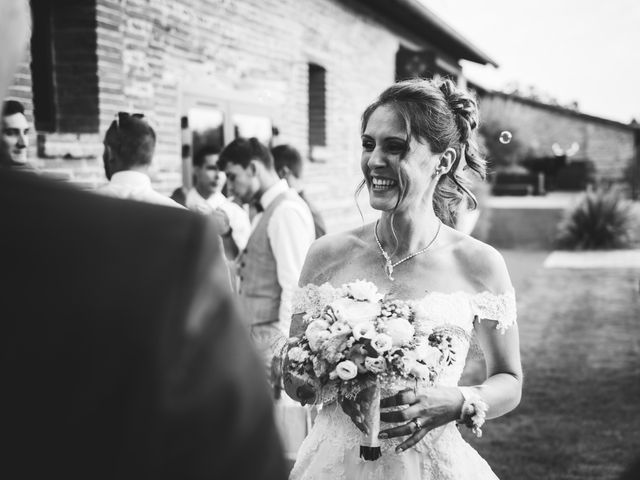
pixel 282 232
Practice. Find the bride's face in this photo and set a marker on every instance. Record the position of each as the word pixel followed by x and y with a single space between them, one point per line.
pixel 398 169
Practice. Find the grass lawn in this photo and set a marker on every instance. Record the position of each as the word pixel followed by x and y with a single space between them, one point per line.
pixel 580 339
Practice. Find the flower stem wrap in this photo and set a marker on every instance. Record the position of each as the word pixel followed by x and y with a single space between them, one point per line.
pixel 370 444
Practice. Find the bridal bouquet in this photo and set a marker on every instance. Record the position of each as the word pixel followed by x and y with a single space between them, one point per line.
pixel 359 340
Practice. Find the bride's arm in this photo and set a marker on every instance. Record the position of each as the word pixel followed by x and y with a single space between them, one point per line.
pixel 502 389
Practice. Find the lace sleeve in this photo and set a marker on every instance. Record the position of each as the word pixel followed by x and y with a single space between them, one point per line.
pixel 500 308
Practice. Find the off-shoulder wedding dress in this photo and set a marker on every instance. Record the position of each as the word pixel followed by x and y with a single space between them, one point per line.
pixel 331 450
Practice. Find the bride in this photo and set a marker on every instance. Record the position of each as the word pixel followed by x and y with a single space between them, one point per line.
pixel 417 138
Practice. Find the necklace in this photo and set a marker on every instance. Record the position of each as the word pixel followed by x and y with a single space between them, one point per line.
pixel 389 265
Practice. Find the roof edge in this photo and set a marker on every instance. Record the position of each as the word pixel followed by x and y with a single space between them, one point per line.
pixel 561 109
pixel 435 22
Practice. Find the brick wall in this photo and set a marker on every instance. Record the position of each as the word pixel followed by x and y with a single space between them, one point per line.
pixel 149 53
pixel 610 145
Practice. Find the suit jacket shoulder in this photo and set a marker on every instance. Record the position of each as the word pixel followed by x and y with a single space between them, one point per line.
pixel 121 344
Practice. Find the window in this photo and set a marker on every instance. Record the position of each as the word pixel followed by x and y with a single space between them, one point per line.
pixel 64 66
pixel 247 126
pixel 317 106
pixel 42 66
pixel 215 122
pixel 207 128
pixel 424 64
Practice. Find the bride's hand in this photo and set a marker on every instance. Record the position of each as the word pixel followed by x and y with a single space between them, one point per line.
pixel 432 408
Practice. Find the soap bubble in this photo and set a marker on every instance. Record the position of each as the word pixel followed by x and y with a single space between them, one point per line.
pixel 505 137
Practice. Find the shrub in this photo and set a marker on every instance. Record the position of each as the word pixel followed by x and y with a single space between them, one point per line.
pixel 600 221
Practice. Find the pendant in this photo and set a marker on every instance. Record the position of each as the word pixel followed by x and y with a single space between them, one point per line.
pixel 388 268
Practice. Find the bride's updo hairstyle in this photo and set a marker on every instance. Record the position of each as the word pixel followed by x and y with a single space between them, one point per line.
pixel 446 117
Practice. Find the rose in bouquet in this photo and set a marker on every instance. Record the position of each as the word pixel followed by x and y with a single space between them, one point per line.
pixel 360 343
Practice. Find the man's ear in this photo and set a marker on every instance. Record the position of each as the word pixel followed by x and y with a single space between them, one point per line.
pixel 107 156
pixel 284 172
pixel 254 167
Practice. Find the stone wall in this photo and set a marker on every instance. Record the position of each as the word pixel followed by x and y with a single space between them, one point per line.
pixel 608 144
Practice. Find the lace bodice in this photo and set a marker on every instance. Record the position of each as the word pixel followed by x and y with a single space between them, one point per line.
pixel 455 312
pixel 456 308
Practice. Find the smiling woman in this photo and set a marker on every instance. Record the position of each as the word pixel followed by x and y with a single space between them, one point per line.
pixel 417 140
pixel 422 120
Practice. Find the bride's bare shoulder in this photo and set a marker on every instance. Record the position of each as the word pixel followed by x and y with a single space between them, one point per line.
pixel 329 253
pixel 482 264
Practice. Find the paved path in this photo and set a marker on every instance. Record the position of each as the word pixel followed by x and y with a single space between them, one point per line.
pixel 594 259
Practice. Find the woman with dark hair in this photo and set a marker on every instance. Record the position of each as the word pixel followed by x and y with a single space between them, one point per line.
pixel 417 148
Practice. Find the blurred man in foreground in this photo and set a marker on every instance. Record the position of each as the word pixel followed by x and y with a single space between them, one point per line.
pixel 122 353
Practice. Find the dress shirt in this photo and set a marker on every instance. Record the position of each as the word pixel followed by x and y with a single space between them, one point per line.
pixel 238 218
pixel 135 186
pixel 291 232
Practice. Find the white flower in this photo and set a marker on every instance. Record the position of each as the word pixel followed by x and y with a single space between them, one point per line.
pixel 427 354
pixel 340 328
pixel 420 312
pixel 381 342
pixel 354 312
pixel 317 338
pixel 297 354
pixel 363 291
pixel 364 330
pixel 400 331
pixel 347 370
pixel 420 370
pixel 375 365
pixel 317 325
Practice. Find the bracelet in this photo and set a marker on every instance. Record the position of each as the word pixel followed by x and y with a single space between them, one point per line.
pixel 474 410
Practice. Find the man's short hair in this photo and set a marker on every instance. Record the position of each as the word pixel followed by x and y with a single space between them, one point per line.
pixel 242 150
pixel 11 107
pixel 132 139
pixel 204 152
pixel 287 156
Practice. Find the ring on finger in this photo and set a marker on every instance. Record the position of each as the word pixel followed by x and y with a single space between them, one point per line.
pixel 417 423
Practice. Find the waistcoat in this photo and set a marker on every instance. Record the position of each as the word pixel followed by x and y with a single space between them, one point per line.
pixel 259 288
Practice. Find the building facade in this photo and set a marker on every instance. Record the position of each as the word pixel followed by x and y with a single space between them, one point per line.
pixel 206 71
pixel 549 130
